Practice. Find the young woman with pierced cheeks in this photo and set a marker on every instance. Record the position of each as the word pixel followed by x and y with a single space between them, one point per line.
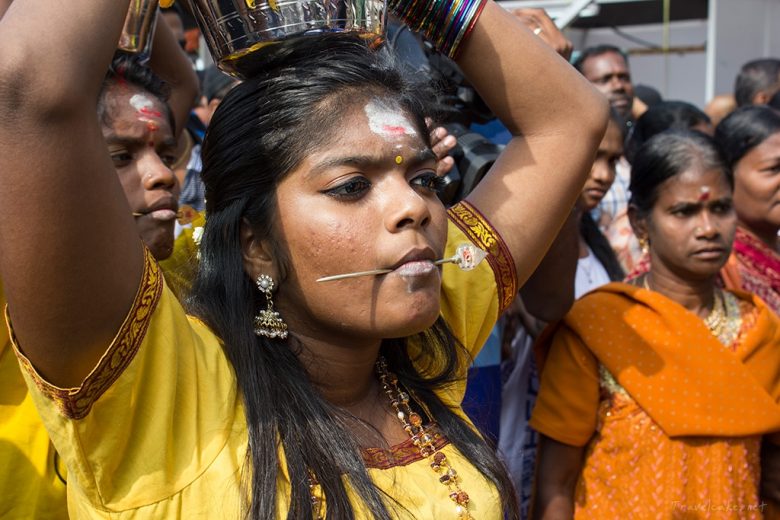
pixel 655 396
pixel 317 165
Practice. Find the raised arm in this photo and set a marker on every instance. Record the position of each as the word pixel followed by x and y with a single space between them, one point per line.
pixel 548 294
pixel 558 119
pixel 170 62
pixel 70 255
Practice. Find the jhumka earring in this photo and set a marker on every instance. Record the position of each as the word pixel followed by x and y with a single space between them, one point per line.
pixel 268 323
pixel 644 245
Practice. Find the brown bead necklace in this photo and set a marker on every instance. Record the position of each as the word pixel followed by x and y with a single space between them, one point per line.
pixel 422 439
pixel 413 425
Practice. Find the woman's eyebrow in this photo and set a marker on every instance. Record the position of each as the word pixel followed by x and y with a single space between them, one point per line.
pixel 361 161
pixel 367 161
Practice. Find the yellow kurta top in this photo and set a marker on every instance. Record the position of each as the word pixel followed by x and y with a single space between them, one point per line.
pixel 29 485
pixel 158 429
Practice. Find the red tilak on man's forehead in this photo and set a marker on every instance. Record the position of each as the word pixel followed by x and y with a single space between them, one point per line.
pixel 705 194
pixel 149 112
pixel 394 129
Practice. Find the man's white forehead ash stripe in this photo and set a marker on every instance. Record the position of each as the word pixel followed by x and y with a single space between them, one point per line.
pixel 141 102
pixel 388 121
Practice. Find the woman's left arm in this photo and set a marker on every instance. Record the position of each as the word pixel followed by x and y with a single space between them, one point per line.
pixel 558 119
pixel 169 61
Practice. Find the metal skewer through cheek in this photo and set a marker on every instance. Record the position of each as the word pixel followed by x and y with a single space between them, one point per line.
pixel 376 271
pixel 467 257
pixel 137 214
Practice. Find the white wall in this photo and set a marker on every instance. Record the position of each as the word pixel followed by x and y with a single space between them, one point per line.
pixel 742 30
pixel 737 32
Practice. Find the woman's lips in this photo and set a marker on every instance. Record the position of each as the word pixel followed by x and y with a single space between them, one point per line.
pixel 415 268
pixel 710 254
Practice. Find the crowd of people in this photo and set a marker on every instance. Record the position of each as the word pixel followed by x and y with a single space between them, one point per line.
pixel 265 298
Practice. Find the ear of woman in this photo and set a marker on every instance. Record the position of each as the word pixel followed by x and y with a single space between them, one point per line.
pixel 258 254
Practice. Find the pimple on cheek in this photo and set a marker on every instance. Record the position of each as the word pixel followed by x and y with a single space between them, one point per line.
pixel 333 247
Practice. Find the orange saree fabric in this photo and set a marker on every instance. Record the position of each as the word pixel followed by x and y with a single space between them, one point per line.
pixel 671 419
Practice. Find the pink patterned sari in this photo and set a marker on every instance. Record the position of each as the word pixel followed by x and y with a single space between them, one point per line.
pixel 754 267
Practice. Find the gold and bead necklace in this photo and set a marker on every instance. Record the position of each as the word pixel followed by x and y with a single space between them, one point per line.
pixel 413 425
pixel 422 439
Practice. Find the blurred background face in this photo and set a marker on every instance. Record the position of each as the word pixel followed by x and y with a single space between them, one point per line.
pixel 610 74
pixel 691 226
pixel 602 173
pixel 757 186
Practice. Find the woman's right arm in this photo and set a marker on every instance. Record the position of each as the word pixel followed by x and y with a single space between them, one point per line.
pixel 70 255
pixel 557 469
pixel 565 415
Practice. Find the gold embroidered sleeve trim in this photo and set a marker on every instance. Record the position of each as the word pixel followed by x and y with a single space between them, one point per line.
pixel 479 230
pixel 75 403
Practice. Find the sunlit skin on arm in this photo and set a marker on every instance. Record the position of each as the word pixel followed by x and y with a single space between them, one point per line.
pixel 532 187
pixel 170 62
pixel 88 266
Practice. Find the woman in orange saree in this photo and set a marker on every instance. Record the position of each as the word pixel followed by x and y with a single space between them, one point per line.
pixel 750 140
pixel 655 396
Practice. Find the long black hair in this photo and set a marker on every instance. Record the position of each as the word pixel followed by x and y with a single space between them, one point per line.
pixel 667 115
pixel 601 247
pixel 744 129
pixel 261 131
pixel 669 154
